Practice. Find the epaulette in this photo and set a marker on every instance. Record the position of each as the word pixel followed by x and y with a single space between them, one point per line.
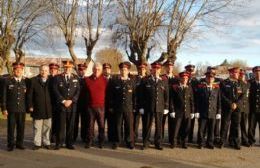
pixel 175 86
pixel 202 85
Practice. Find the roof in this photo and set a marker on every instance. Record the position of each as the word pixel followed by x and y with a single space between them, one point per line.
pixel 41 60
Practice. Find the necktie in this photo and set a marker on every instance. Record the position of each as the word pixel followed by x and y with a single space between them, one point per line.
pixel 67 78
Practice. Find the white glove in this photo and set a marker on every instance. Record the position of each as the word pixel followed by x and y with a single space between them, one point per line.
pixel 166 111
pixel 218 116
pixel 141 111
pixel 192 115
pixel 197 115
pixel 134 111
pixel 172 115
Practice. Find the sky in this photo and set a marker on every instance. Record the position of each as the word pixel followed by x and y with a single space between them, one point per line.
pixel 240 40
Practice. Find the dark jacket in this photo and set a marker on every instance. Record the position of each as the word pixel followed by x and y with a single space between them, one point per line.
pixel 171 81
pixel 254 97
pixel 193 82
pixel 66 90
pixel 208 100
pixel 138 88
pixel 14 95
pixel 231 92
pixel 107 95
pixel 39 98
pixel 52 93
pixel 182 101
pixel 122 94
pixel 154 95
pixel 82 106
pixel 245 99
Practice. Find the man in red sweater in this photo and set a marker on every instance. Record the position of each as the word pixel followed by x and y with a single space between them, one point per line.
pixel 96 88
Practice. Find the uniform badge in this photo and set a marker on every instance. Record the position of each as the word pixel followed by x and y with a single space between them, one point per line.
pixel 75 80
pixel 61 84
pixel 10 86
pixel 239 90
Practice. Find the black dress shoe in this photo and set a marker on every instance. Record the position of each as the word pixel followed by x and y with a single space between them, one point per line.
pixel 237 147
pixel 114 146
pixel 10 148
pixel 200 146
pixel 246 144
pixel 144 147
pixel 158 147
pixel 57 147
pixel 210 146
pixel 184 146
pixel 172 145
pixel 49 147
pixel 71 147
pixel 221 145
pixel 35 147
pixel 101 145
pixel 21 147
pixel 190 141
pixel 131 146
pixel 88 145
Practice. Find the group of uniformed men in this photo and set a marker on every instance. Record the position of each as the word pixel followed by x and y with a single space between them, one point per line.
pixel 60 102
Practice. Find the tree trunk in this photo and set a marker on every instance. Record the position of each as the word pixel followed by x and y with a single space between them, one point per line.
pixel 89 50
pixel 8 63
pixel 19 55
pixel 73 55
pixel 88 60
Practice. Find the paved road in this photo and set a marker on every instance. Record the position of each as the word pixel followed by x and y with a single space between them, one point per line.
pixel 124 158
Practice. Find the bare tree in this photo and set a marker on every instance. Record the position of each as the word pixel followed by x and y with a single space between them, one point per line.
pixel 86 16
pixel 14 18
pixel 9 13
pixel 65 13
pixel 188 17
pixel 138 22
pixel 92 24
pixel 110 55
pixel 31 24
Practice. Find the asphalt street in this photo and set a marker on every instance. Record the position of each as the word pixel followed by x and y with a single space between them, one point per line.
pixel 123 157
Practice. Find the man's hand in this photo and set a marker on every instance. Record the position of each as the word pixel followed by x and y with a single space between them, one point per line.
pixel 218 116
pixel 233 106
pixel 141 111
pixel 192 115
pixel 30 109
pixel 165 111
pixel 67 103
pixel 172 115
pixel 5 113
